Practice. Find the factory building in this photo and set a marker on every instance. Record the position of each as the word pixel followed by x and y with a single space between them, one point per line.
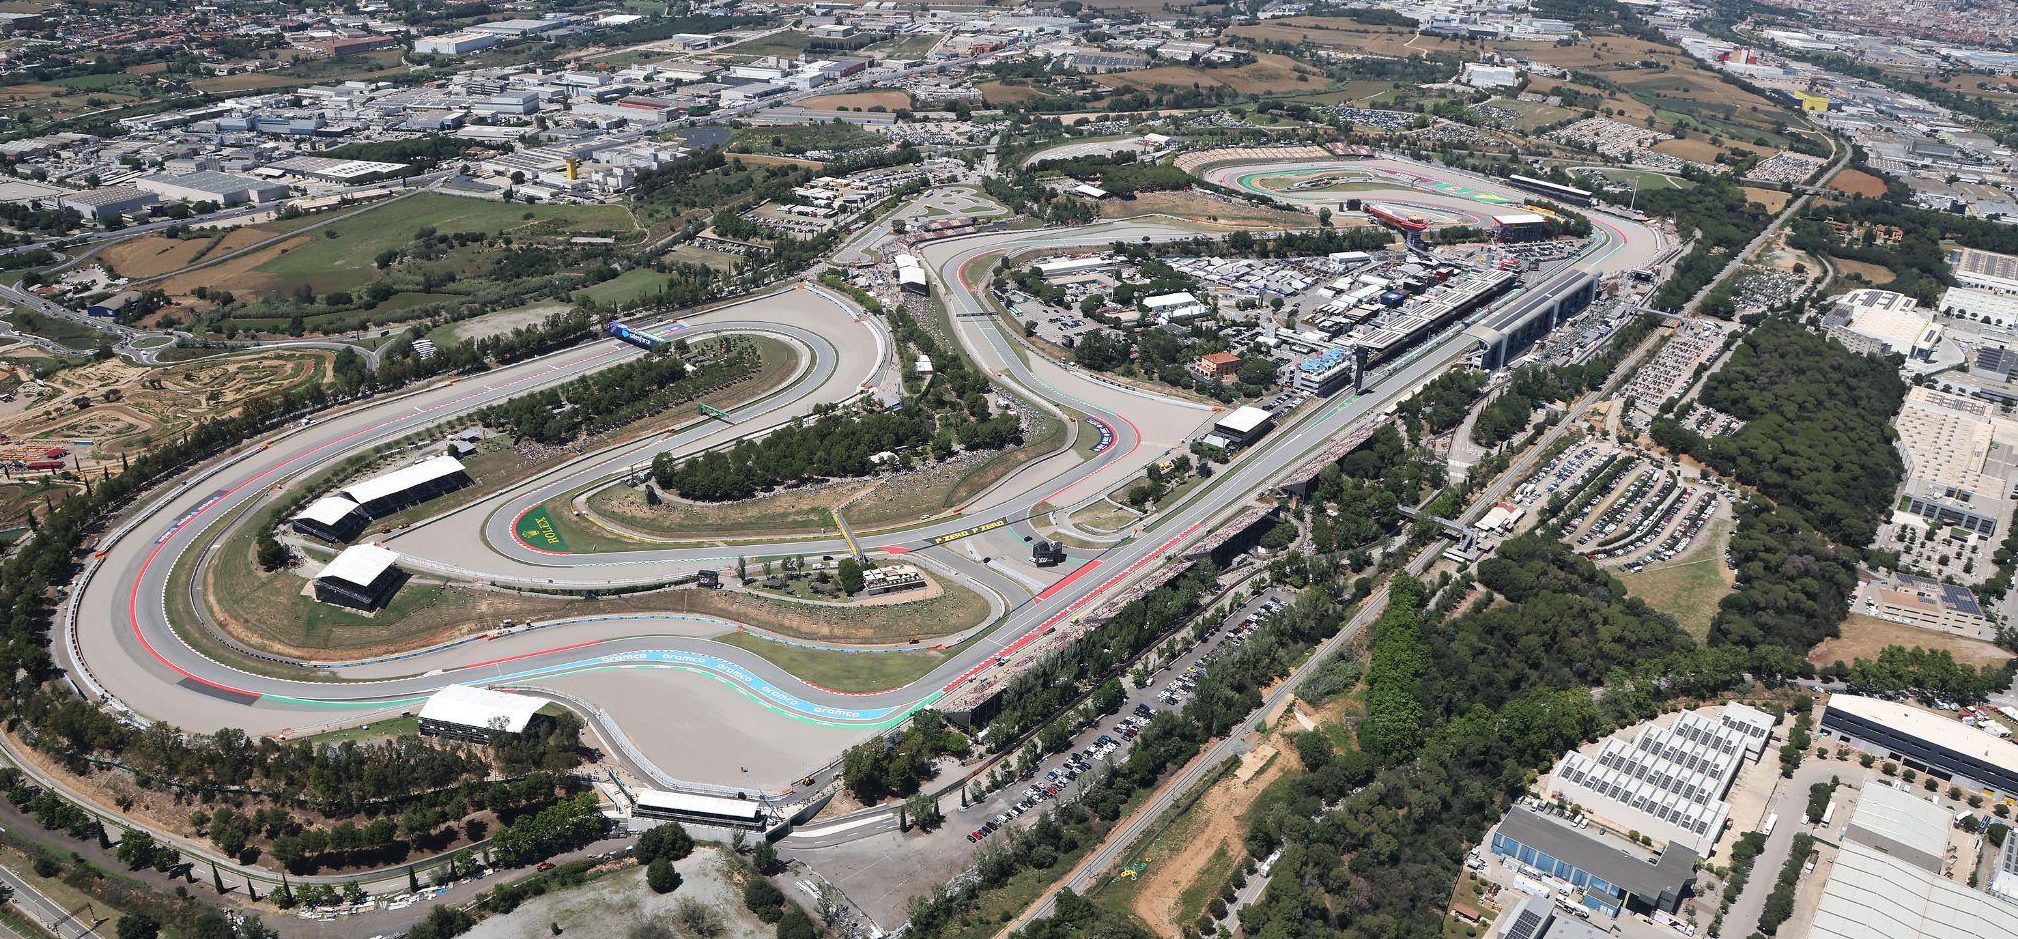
pixel 1961 459
pixel 108 203
pixel 207 186
pixel 1605 874
pixel 1887 881
pixel 1880 322
pixel 1947 750
pixel 1668 781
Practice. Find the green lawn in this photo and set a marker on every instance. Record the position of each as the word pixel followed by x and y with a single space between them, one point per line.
pixel 73 334
pixel 841 671
pixel 796 140
pixel 625 289
pixel 788 43
pixel 342 255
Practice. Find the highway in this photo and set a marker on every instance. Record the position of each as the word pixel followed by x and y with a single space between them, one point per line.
pixel 118 642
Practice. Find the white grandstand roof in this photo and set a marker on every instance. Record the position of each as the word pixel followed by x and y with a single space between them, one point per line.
pixel 478 707
pixel 403 479
pixel 687 802
pixel 359 564
pixel 328 510
pixel 1519 218
pixel 1930 727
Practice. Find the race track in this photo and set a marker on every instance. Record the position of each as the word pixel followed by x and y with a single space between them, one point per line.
pixel 640 667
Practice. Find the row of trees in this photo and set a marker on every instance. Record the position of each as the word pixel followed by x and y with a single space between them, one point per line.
pixel 616 396
pixel 896 764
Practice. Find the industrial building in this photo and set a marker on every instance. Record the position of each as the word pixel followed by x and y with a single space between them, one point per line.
pixel 1922 740
pixel 225 189
pixel 363 576
pixel 1889 877
pixel 1606 876
pixel 1961 459
pixel 456 43
pixel 1670 781
pixel 465 712
pixel 1986 269
pixel 1880 322
pixel 108 203
pixel 1510 331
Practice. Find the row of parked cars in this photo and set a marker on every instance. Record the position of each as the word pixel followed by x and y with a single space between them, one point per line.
pixel 1128 728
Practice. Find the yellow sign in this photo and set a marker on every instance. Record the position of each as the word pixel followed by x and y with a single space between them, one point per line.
pixel 967 532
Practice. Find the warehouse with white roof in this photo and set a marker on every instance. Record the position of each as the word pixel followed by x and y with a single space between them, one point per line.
pixel 470 713
pixel 1669 781
pixel 363 576
pixel 1945 749
pixel 1887 881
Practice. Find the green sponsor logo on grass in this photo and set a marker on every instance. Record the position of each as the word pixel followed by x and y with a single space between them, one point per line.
pixel 536 528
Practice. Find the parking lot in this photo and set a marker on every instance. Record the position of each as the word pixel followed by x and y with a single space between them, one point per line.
pixel 1177 667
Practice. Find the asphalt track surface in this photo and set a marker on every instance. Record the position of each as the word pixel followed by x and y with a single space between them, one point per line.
pixel 122 646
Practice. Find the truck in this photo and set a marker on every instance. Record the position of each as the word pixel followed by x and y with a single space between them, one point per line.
pixel 642 340
pixel 1828 813
pixel 1771 821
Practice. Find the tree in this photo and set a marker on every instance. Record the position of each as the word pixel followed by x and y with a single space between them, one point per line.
pixel 797 925
pixel 765 856
pixel 669 841
pixel 139 925
pixel 661 876
pixel 271 554
pixel 850 573
pixel 764 899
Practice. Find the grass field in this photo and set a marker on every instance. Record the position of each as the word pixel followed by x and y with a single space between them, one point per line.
pixel 1862 273
pixel 67 332
pixel 626 289
pixel 1690 587
pixel 914 46
pixel 997 94
pixel 841 671
pixel 1268 74
pixel 1773 199
pixel 1863 637
pixel 341 255
pixel 787 44
pixel 1203 209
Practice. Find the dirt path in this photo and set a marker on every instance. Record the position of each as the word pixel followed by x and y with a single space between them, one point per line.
pixel 1222 828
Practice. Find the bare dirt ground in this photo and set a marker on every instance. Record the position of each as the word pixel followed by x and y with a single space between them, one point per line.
pixel 1865 636
pixel 504 321
pixel 155 255
pixel 619 903
pixel 888 99
pixel 1773 199
pixel 240 275
pixel 1222 826
pixel 1857 183
pixel 130 407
